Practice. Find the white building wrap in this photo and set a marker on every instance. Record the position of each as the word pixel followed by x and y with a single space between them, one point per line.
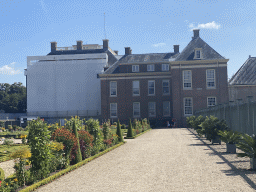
pixel 64 83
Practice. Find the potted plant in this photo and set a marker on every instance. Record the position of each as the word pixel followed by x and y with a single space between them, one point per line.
pixel 211 126
pixel 248 146
pixel 230 138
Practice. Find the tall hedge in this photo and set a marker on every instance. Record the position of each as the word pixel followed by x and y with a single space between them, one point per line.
pixel 78 154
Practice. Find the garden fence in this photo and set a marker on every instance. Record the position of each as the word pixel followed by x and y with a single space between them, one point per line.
pixel 240 116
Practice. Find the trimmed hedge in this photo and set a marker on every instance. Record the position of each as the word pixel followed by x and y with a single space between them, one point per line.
pixel 57 175
pixel 137 135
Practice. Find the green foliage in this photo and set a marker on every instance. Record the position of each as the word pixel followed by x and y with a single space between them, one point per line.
pixel 130 131
pixel 94 130
pixel 78 154
pixel 13 98
pixel 189 120
pixel 38 140
pixel 248 146
pixel 78 122
pixel 212 125
pixel 2 175
pixel 123 126
pixel 57 158
pixel 230 137
pixel 107 130
pixel 65 171
pixel 2 123
pixel 86 146
pixel 68 139
pixel 119 132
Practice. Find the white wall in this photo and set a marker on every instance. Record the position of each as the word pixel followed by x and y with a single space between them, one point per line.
pixel 64 85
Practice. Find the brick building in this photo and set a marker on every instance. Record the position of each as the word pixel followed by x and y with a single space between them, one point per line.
pixel 162 86
pixel 243 83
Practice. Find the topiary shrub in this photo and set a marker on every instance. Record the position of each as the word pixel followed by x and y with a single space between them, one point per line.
pixel 123 126
pixel 130 131
pixel 119 132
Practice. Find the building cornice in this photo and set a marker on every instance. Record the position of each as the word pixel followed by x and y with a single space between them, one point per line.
pixel 241 85
pixel 135 74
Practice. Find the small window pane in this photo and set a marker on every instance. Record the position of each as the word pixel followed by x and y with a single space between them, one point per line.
pixel 151 87
pixel 166 87
pixel 113 109
pixel 136 109
pixel 113 88
pixel 188 106
pixel 136 87
pixel 211 101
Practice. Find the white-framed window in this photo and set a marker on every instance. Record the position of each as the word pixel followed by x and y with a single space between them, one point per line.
pixel 136 88
pixel 151 67
pixel 188 106
pixel 113 109
pixel 113 88
pixel 166 108
pixel 166 87
pixel 210 78
pixel 165 67
pixel 187 79
pixel 152 109
pixel 211 101
pixel 136 109
pixel 198 53
pixel 151 87
pixel 135 68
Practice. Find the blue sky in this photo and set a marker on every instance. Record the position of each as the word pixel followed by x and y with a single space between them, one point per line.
pixel 28 27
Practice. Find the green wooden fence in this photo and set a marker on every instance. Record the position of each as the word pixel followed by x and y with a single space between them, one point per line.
pixel 239 116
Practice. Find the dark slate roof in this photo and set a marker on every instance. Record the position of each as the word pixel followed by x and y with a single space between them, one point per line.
pixel 246 75
pixel 140 58
pixel 111 58
pixel 208 53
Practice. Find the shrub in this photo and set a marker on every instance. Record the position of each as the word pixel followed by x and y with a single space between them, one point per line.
pixel 68 139
pixel 23 139
pixel 21 173
pixel 39 139
pixel 189 120
pixel 129 131
pixel 230 137
pixel 248 146
pixel 94 130
pixel 107 130
pixel 2 123
pixel 78 122
pixel 212 125
pixel 78 156
pixel 119 132
pixel 123 126
pixel 57 159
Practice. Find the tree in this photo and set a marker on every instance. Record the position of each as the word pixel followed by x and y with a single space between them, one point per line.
pixel 119 132
pixel 78 154
pixel 130 132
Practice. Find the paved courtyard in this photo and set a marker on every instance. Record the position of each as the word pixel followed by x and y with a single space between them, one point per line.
pixel 159 160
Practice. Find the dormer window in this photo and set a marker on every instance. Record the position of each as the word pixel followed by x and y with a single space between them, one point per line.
pixel 198 53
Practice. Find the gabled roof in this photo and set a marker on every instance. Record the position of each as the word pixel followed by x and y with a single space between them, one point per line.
pixel 111 58
pixel 246 75
pixel 188 53
pixel 140 58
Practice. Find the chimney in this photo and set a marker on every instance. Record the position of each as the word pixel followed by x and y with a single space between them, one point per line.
pixel 79 45
pixel 128 50
pixel 116 52
pixel 176 48
pixel 105 43
pixel 196 33
pixel 53 46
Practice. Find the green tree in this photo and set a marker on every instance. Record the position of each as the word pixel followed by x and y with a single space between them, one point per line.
pixel 119 132
pixel 78 154
pixel 130 132
pixel 39 140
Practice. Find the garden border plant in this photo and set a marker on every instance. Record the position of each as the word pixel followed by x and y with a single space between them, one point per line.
pixel 70 168
pixel 138 134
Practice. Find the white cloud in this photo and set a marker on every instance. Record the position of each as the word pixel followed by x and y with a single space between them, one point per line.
pixel 210 25
pixel 159 45
pixel 9 70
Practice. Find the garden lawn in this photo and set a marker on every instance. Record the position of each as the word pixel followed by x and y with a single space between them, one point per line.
pixel 7 150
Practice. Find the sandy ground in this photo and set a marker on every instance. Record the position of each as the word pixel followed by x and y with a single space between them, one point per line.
pixel 162 160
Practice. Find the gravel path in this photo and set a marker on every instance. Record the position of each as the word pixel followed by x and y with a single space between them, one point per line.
pixel 161 160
